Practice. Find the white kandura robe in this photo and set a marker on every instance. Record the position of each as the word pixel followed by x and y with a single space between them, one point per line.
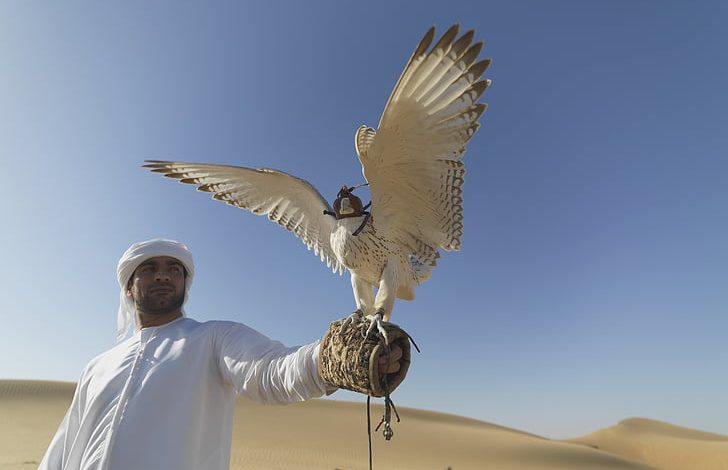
pixel 164 398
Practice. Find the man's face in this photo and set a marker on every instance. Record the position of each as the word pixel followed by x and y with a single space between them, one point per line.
pixel 158 285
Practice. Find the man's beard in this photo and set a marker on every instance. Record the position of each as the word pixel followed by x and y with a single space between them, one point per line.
pixel 156 306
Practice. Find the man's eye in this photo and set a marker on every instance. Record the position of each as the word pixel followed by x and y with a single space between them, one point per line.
pixel 175 269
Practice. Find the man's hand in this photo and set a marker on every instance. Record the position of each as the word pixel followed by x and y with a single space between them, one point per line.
pixel 389 363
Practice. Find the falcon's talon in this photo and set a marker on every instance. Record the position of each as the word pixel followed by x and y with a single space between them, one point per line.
pixel 376 322
pixel 355 317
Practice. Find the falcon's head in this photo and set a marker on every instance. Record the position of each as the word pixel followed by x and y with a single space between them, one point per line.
pixel 348 205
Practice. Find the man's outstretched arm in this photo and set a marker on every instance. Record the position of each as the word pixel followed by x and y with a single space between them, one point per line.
pixel 265 370
pixel 269 372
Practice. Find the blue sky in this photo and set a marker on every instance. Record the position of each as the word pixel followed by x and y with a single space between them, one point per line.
pixel 592 284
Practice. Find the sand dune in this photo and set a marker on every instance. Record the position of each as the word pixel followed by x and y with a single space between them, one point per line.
pixel 322 434
pixel 662 445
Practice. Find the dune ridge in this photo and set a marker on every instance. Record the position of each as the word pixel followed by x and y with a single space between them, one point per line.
pixel 662 445
pixel 324 434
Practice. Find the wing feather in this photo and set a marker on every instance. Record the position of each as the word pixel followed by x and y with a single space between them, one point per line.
pixel 413 162
pixel 291 202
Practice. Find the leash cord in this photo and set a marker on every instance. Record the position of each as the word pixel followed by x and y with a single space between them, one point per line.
pixel 369 429
pixel 388 403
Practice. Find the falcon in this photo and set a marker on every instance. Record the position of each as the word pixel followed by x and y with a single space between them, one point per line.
pixel 412 164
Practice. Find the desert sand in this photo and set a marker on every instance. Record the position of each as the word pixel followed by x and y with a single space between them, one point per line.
pixel 322 434
pixel 662 445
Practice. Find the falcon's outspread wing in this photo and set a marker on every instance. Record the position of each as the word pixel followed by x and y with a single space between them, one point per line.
pixel 287 200
pixel 413 161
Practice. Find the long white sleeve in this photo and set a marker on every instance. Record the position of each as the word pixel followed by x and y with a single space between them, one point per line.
pixel 267 371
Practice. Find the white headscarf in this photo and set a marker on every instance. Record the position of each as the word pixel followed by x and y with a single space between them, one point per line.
pixel 131 259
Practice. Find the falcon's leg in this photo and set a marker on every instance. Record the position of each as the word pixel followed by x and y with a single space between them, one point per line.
pixel 384 302
pixel 363 294
pixel 387 293
pixel 364 297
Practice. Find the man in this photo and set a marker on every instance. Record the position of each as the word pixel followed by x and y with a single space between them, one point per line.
pixel 164 398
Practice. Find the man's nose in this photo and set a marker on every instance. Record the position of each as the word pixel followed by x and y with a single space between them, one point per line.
pixel 162 275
